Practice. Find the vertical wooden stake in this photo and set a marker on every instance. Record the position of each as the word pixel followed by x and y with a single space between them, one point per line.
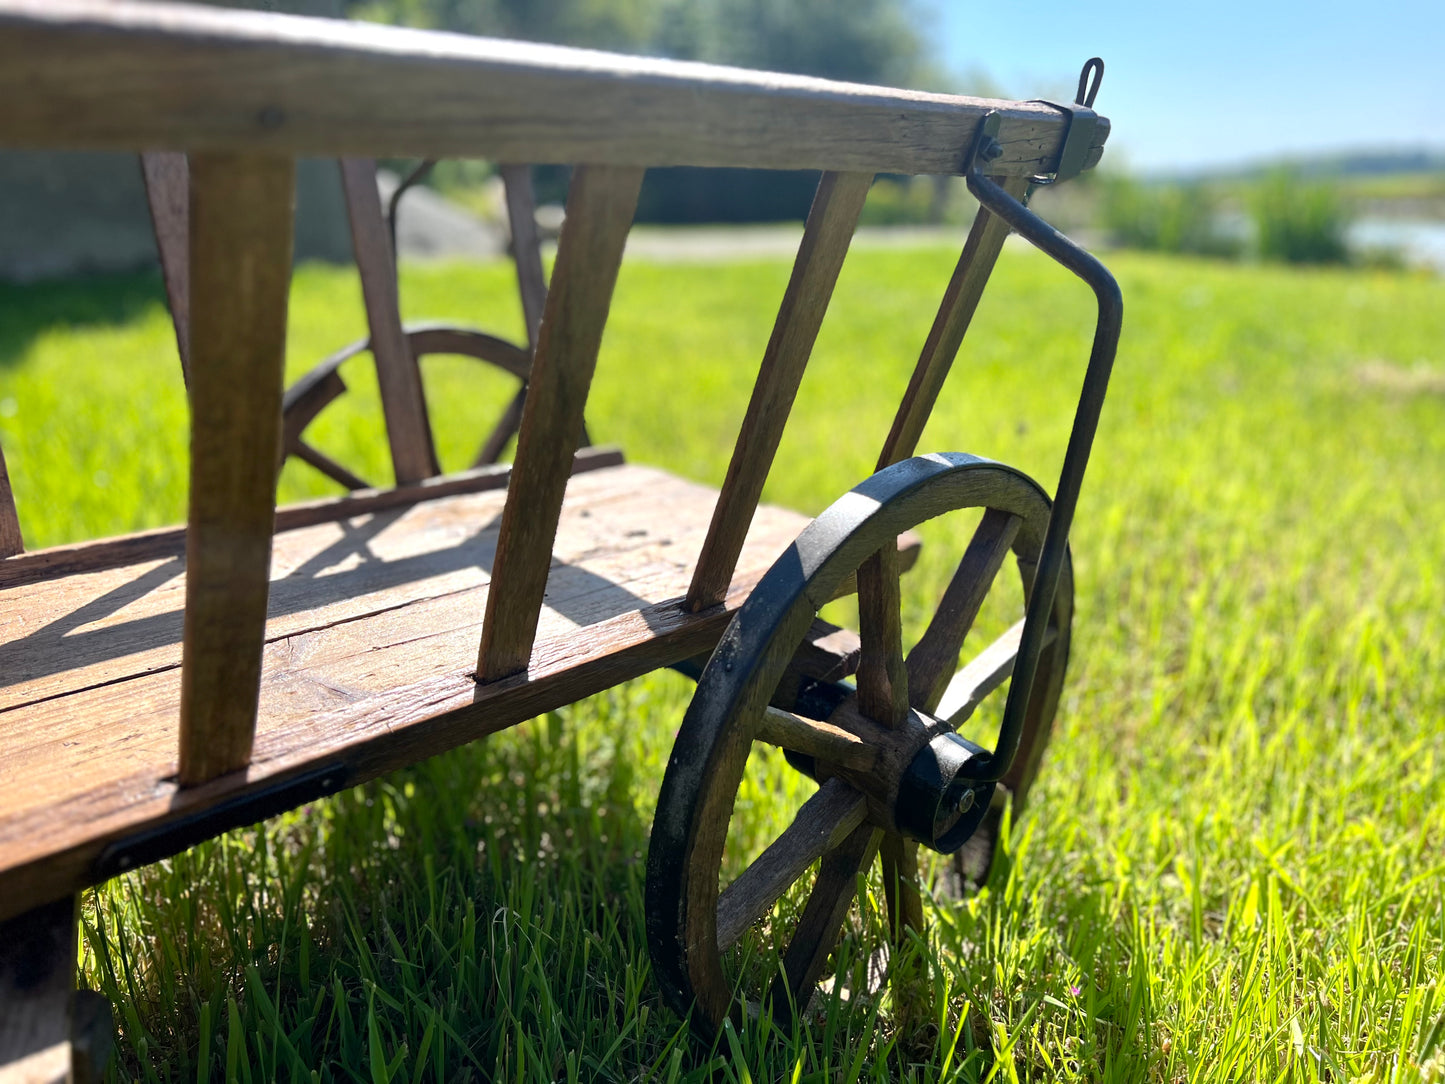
pixel 526 246
pixel 402 401
pixel 831 222
pixel 600 206
pixel 241 222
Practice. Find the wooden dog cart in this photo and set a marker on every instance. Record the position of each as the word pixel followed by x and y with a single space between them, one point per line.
pixel 161 688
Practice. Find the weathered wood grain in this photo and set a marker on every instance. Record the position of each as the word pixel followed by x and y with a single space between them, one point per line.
pixel 240 225
pixel 600 206
pixel 37 980
pixel 825 821
pixel 371 642
pixel 526 246
pixel 196 78
pixel 831 222
pixel 402 402
pixel 167 183
pixel 955 313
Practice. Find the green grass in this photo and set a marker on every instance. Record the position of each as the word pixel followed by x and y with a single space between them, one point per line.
pixel 1233 867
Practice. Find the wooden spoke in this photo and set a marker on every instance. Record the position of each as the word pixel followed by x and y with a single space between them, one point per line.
pixel 327 466
pixel 824 741
pixel 505 429
pixel 830 226
pixel 900 885
pixel 402 401
pixel 822 919
pixel 985 673
pixel 882 675
pixel 934 658
pixel 824 822
pixel 600 205
pixel 240 221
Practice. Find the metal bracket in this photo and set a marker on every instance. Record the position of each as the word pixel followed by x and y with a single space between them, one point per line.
pixel 1083 121
pixel 1055 552
pixel 171 838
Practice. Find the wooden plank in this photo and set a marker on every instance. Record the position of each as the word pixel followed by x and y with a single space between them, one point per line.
pixel 37 980
pixel 240 220
pixel 402 402
pixel 167 183
pixel 11 540
pixel 824 822
pixel 831 222
pixel 355 674
pixel 196 78
pixel 68 560
pixel 600 206
pixel 960 302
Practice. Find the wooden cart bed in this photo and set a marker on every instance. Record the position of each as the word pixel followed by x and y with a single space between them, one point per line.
pixel 369 662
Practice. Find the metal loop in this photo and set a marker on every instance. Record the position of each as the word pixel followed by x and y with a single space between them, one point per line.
pixel 1086 94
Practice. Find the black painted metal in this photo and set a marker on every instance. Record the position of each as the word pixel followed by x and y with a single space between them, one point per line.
pixel 938 803
pixel 144 848
pixel 1081 438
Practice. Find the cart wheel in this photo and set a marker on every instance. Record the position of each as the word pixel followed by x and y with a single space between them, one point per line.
pixel 881 787
pixel 318 388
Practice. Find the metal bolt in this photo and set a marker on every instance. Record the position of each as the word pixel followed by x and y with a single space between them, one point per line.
pixel 990 149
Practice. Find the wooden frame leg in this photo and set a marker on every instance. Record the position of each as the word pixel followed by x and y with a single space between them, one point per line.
pixel 37 984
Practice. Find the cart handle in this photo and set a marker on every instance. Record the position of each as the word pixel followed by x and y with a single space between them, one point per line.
pixel 1081 438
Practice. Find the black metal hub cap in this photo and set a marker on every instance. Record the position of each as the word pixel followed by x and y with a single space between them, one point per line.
pixel 940 802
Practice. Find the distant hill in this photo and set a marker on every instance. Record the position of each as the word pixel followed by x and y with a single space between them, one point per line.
pixel 1353 163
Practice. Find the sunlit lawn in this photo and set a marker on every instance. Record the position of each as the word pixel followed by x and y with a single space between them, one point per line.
pixel 1233 867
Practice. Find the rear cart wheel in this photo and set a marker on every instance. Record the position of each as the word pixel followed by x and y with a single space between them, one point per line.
pixel 892 771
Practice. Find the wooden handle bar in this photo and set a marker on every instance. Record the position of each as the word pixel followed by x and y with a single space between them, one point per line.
pixel 108 74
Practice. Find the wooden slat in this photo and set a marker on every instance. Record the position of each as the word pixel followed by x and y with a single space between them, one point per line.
pixel 167 183
pixel 37 981
pixel 825 821
pixel 58 561
pixel 960 302
pixel 240 224
pixel 831 221
pixel 600 206
pixel 402 402
pixel 11 541
pixel 196 78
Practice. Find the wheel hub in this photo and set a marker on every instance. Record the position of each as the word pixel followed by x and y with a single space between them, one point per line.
pixel 939 802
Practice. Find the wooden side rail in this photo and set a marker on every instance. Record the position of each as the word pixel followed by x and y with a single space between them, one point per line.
pixel 98 74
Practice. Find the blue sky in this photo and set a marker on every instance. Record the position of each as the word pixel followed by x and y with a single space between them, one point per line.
pixel 1223 81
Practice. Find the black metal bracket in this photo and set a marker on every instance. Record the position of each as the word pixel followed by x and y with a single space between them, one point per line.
pixel 1055 552
pixel 1083 122
pixel 171 838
